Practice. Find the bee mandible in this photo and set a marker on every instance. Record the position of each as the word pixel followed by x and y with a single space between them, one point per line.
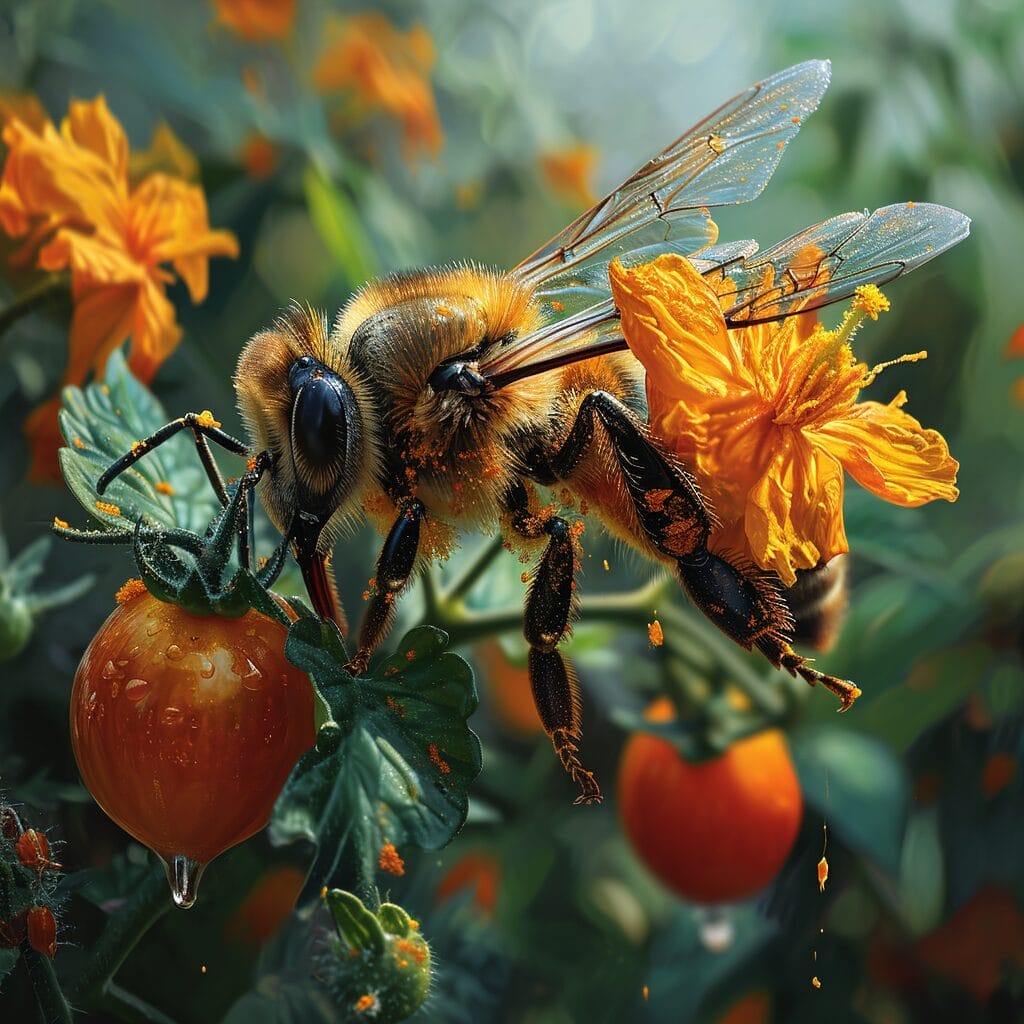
pixel 445 398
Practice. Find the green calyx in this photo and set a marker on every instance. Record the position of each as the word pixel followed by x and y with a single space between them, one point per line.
pixel 381 969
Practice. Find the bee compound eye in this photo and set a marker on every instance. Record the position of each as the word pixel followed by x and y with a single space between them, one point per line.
pixel 319 421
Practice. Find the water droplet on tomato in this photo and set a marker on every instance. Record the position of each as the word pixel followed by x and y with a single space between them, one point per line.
pixel 717 930
pixel 136 689
pixel 153 627
pixel 133 653
pixel 115 688
pixel 183 874
pixel 172 716
pixel 174 652
pixel 206 668
pixel 110 671
pixel 252 677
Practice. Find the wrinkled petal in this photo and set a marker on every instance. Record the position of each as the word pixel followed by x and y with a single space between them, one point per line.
pixel 888 452
pixel 169 222
pixel 102 319
pixel 794 515
pixel 167 154
pixel 91 126
pixel 674 326
pixel 50 179
pixel 155 332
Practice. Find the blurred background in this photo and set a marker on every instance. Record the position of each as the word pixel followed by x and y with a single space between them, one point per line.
pixel 491 125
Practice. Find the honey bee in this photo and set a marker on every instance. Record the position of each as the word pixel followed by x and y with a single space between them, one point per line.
pixel 450 398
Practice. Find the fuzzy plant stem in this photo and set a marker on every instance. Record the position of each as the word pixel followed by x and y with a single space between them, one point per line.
pixel 52 1004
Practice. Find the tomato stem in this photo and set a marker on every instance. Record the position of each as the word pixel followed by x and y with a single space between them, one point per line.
pixel 52 1003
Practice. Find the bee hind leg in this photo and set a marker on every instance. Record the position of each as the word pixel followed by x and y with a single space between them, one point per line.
pixel 743 601
pixel 549 606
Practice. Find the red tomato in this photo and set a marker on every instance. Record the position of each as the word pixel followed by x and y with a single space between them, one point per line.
pixel 715 831
pixel 186 728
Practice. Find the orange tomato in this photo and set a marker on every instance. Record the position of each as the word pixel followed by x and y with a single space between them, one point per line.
pixel 186 728
pixel 715 831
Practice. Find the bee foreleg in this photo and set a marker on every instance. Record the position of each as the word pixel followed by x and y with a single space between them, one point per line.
pixel 202 428
pixel 394 567
pixel 549 607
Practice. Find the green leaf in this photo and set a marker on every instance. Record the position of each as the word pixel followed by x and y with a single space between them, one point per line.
pixel 858 786
pixel 338 225
pixel 100 424
pixel 938 685
pixel 400 758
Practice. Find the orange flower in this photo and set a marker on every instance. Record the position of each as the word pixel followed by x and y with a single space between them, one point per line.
pixel 255 20
pixel 767 416
pixel 259 157
pixel 385 70
pixel 69 196
pixel 570 173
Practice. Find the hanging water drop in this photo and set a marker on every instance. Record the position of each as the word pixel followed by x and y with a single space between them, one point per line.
pixel 183 874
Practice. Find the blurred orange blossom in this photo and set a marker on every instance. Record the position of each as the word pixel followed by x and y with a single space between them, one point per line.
pixel 69 195
pixel 255 20
pixel 767 416
pixel 570 171
pixel 385 70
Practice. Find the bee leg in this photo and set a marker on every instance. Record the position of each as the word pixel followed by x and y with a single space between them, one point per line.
pixel 202 428
pixel 394 567
pixel 741 600
pixel 549 606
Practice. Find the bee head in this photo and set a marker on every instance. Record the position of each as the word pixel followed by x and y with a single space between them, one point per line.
pixel 303 406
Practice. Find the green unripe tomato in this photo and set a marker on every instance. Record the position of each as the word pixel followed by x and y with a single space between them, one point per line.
pixel 15 627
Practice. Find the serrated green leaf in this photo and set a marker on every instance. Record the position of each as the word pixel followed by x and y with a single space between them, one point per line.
pixel 399 768
pixel 100 424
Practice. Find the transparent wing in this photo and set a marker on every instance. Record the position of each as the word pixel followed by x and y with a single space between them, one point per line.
pixel 727 158
pixel 822 264
pixel 827 262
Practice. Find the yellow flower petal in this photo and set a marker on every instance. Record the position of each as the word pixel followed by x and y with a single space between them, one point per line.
pixel 794 513
pixel 888 452
pixel 674 325
pixel 92 127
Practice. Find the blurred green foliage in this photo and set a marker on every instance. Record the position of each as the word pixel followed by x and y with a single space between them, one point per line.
pixel 920 783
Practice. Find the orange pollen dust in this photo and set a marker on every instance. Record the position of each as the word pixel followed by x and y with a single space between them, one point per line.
pixel 205 419
pixel 78 442
pixel 60 523
pixel 105 506
pixel 364 1003
pixel 418 953
pixel 390 861
pixel 440 763
pixel 822 873
pixel 655 633
pixel 163 487
pixel 129 590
